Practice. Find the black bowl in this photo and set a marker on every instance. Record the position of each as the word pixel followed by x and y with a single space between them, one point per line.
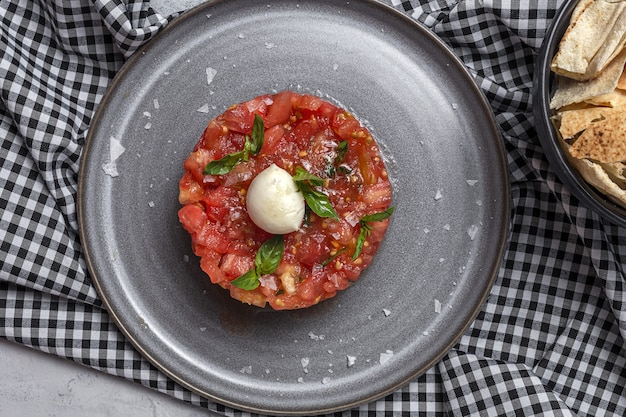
pixel 545 83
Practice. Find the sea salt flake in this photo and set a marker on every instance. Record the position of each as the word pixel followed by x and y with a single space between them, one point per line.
pixel 385 356
pixel 446 226
pixel 471 183
pixel 437 306
pixel 301 380
pixel 386 312
pixel 115 151
pixel 246 369
pixel 313 336
pixel 151 203
pixel 204 108
pixel 454 106
pixel 148 125
pixel 438 195
pixel 472 231
pixel 147 114
pixel 326 380
pixel 156 104
pixel 269 45
pixel 305 362
pixel 210 74
pixel 351 360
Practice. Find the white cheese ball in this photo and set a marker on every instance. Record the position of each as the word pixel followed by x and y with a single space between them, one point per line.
pixel 274 202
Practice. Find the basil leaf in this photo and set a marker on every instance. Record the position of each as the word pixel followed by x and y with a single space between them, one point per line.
pixel 269 255
pixel 363 234
pixel 302 175
pixel 258 135
pixel 266 261
pixel 227 163
pixel 366 228
pixel 224 165
pixel 318 202
pixel 248 281
pixel 332 257
pixel 376 217
pixel 342 150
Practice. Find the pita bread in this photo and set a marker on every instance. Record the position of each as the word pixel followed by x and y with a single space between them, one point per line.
pixel 604 140
pixel 621 83
pixel 595 36
pixel 572 122
pixel 571 91
pixel 595 175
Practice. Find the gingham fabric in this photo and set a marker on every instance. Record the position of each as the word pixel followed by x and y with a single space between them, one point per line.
pixel 550 338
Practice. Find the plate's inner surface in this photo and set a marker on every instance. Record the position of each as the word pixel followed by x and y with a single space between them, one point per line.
pixel 431 273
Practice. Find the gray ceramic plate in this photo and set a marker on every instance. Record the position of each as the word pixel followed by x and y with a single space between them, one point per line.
pixel 432 273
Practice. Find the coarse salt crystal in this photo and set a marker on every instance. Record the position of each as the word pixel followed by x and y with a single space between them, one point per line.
pixel 326 380
pixel 386 312
pixel 155 103
pixel 438 195
pixel 471 183
pixel 246 369
pixel 384 357
pixel 472 231
pixel 437 306
pixel 305 362
pixel 210 74
pixel 204 108
pixel 351 360
pixel 151 203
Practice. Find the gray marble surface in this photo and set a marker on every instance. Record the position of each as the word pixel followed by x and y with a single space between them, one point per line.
pixel 36 384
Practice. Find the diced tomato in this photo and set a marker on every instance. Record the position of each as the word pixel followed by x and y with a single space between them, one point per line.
pixel 307 102
pixel 189 190
pixel 300 131
pixel 210 267
pixel 345 125
pixel 235 265
pixel 272 139
pixel 196 162
pixel 279 111
pixel 192 217
pixel 313 248
pixel 377 196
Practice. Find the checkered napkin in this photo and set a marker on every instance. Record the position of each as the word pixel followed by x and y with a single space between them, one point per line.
pixel 548 341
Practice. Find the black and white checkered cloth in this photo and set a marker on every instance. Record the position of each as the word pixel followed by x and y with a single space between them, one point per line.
pixel 548 341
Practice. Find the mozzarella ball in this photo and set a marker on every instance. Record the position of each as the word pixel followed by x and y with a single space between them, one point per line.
pixel 274 202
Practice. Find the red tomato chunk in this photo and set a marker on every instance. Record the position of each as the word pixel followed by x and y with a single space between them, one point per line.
pixel 300 131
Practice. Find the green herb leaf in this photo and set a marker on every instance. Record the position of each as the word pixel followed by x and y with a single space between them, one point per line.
pixel 302 175
pixel 248 281
pixel 366 228
pixel 224 165
pixel 258 135
pixel 333 257
pixel 363 234
pixel 252 145
pixel 342 150
pixel 269 255
pixel 266 261
pixel 317 201
pixel 377 217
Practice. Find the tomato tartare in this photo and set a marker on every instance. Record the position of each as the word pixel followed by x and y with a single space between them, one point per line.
pixel 321 164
